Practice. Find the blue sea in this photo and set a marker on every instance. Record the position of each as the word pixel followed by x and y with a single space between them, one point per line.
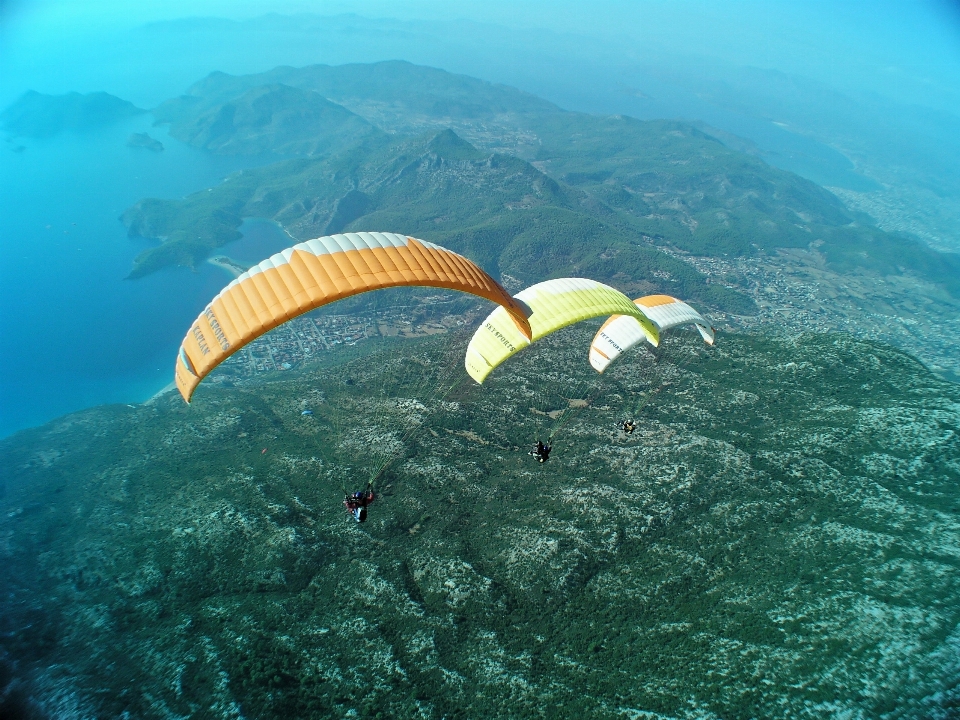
pixel 73 331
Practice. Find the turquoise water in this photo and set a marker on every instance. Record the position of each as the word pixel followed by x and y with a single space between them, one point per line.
pixel 261 239
pixel 73 331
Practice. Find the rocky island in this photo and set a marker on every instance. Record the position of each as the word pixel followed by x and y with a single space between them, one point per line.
pixel 36 115
pixel 143 140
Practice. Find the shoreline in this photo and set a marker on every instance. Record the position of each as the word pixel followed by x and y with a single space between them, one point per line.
pixel 162 391
pixel 227 263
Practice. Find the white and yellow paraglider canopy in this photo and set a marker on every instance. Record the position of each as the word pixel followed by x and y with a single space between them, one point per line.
pixel 622 332
pixel 551 305
pixel 321 271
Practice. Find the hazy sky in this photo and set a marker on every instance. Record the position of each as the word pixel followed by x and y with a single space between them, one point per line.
pixel 908 50
pixel 864 77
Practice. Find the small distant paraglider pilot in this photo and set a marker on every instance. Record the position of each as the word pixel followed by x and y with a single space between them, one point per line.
pixel 356 503
pixel 541 452
pixel 628 426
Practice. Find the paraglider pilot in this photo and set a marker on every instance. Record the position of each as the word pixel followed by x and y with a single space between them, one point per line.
pixel 356 503
pixel 541 452
pixel 628 426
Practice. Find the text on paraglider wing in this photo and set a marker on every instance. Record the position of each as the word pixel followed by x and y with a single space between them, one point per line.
pixel 201 341
pixel 217 330
pixel 500 336
pixel 607 338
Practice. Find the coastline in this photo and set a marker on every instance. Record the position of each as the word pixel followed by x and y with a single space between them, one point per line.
pixel 224 262
pixel 162 391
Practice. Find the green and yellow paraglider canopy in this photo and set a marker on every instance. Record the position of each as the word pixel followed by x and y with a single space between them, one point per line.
pixel 550 306
pixel 321 271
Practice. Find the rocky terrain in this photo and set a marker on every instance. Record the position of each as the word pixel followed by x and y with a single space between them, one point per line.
pixel 779 538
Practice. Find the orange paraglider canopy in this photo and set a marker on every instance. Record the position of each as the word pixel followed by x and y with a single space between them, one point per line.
pixel 318 272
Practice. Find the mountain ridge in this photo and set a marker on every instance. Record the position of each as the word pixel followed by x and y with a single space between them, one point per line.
pixel 666 180
pixel 275 118
pixel 438 187
pixel 37 115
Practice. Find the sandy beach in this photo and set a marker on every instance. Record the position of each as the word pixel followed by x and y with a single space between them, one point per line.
pixel 163 391
pixel 233 267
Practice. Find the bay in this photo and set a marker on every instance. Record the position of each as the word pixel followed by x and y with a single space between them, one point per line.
pixel 73 331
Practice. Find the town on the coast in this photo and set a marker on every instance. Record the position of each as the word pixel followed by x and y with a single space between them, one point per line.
pixel 793 295
pixel 309 336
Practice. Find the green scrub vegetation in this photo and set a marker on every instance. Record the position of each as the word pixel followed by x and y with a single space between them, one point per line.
pixel 776 538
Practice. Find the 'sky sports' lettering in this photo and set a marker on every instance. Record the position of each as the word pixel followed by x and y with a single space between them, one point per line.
pixel 607 338
pixel 502 338
pixel 217 330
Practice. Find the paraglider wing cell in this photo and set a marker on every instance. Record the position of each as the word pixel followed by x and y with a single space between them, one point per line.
pixel 622 332
pixel 318 272
pixel 552 305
